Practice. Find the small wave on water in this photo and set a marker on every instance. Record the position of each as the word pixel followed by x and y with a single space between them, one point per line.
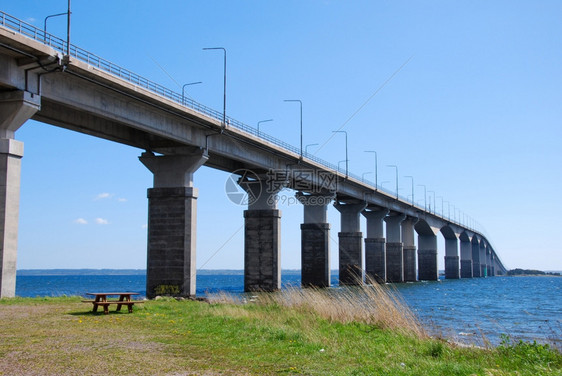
pixel 468 311
pixel 478 311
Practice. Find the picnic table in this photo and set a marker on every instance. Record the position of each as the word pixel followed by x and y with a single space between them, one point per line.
pixel 100 299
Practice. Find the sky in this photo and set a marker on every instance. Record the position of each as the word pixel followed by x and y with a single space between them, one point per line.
pixel 464 96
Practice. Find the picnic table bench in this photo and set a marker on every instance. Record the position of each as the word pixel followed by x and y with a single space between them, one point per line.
pixel 100 299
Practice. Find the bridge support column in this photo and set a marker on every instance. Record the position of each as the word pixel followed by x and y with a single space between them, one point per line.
pixel 262 235
pixel 427 258
pixel 452 258
pixel 476 258
pixel 350 243
pixel 493 267
pixel 409 250
pixel 375 245
pixel 16 108
pixel 172 220
pixel 488 262
pixel 315 240
pixel 483 266
pixel 466 259
pixel 394 248
pixel 262 250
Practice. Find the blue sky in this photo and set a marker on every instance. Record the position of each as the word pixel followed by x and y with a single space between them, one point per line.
pixel 474 114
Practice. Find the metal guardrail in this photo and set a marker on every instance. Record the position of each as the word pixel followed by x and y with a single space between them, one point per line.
pixel 59 44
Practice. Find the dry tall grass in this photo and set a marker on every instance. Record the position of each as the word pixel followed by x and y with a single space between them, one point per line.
pixel 371 303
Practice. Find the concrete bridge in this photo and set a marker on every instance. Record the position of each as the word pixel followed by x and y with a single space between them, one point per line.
pixel 44 79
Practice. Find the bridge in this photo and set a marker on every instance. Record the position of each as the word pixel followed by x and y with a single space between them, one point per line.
pixel 44 78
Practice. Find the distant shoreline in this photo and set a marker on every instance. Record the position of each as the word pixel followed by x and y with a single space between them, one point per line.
pixel 531 272
pixel 536 275
pixel 85 271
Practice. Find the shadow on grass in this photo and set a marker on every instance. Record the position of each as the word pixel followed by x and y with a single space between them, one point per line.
pixel 101 313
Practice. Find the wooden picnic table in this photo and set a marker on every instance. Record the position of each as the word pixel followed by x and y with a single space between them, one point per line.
pixel 100 299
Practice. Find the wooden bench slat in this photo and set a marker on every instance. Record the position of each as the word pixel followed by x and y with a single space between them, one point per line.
pixel 112 293
pixel 119 303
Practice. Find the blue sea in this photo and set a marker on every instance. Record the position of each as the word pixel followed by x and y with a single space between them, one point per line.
pixel 470 311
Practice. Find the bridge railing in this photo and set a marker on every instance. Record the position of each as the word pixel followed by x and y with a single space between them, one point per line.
pixel 94 60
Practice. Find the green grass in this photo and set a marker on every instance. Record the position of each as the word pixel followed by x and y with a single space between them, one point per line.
pixel 58 336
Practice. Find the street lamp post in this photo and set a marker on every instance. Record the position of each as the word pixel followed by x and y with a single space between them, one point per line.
pixel 442 215
pixel 183 90
pixel 262 121
pixel 224 84
pixel 411 177
pixel 376 167
pixel 448 209
pixel 300 102
pixel 396 167
pixel 346 160
pixel 306 148
pixel 68 13
pixel 363 175
pixel 424 196
pixel 433 201
pixel 46 18
pixel 339 162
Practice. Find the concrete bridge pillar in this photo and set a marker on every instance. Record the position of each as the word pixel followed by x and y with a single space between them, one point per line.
pixel 476 258
pixel 16 107
pixel 488 261
pixel 483 266
pixel 409 249
pixel 427 258
pixel 452 258
pixel 375 245
pixel 394 248
pixel 172 222
pixel 315 240
pixel 350 243
pixel 262 234
pixel 493 265
pixel 466 258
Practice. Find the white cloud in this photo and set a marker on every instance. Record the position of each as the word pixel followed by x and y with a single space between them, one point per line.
pixel 81 221
pixel 144 227
pixel 121 199
pixel 102 221
pixel 104 195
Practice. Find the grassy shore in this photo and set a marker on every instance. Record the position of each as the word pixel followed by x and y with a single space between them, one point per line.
pixel 274 335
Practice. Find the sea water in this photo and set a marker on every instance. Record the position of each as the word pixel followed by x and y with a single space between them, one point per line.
pixel 471 311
